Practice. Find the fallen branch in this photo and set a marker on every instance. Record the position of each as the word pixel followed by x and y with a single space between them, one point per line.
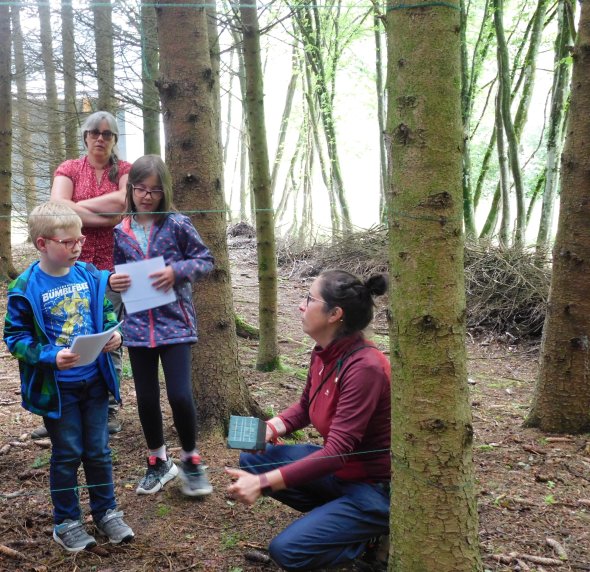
pixel 13 553
pixel 558 440
pixel 539 559
pixel 4 449
pixel 559 549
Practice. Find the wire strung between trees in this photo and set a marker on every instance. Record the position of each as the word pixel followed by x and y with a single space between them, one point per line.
pixel 395 461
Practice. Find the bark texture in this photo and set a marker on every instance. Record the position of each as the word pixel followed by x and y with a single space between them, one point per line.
pixel 186 86
pixel 434 517
pixel 6 268
pixel 268 347
pixel 561 402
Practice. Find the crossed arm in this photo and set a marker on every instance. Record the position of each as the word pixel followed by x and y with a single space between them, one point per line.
pixel 89 209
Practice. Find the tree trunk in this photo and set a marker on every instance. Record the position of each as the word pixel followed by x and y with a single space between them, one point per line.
pixel 54 138
pixel 192 152
pixel 268 347
pixel 105 58
pixel 291 88
pixel 377 23
pixel 555 134
pixel 6 267
pixel 149 72
pixel 511 137
pixel 466 106
pixel 72 139
pixel 22 111
pixel 561 402
pixel 323 71
pixel 505 222
pixel 434 514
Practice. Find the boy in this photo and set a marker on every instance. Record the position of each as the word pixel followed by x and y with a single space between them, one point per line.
pixel 54 300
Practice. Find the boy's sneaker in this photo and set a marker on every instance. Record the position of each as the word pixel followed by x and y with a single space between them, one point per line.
pixel 194 478
pixel 113 526
pixel 157 475
pixel 72 536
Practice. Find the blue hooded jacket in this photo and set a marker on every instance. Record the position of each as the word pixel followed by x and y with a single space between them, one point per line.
pixel 27 340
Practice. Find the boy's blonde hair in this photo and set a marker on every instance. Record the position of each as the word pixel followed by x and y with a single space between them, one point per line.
pixel 45 219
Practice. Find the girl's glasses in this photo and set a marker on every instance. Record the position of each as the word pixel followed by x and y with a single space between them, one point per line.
pixel 142 192
pixel 69 243
pixel 96 133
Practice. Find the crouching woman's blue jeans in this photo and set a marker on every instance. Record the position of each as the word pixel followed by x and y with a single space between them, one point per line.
pixel 341 516
pixel 81 435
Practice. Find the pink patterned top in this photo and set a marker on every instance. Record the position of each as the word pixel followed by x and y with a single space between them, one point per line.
pixel 98 248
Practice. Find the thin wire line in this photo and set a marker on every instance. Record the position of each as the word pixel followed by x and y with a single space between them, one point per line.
pixel 402 465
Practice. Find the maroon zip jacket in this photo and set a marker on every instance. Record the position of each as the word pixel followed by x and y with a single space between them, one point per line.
pixel 347 399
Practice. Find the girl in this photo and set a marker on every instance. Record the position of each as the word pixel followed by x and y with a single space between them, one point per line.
pixel 165 333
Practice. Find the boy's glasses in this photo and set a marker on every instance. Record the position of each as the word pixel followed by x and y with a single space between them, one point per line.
pixel 142 192
pixel 69 243
pixel 96 133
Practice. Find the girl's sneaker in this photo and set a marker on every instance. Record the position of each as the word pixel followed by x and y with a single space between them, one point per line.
pixel 158 473
pixel 194 478
pixel 113 526
pixel 71 535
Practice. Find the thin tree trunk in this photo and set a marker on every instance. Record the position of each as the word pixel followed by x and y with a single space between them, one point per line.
pixel 22 110
pixel 105 57
pixel 561 401
pixel 492 219
pixel 72 139
pixel 309 23
pixel 377 22
pixel 54 129
pixel 150 100
pixel 6 268
pixel 192 152
pixel 511 137
pixel 291 88
pixel 434 514
pixel 555 134
pixel 468 208
pixel 268 347
pixel 505 221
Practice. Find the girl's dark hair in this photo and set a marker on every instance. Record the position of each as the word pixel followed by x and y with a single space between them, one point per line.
pixel 344 290
pixel 143 168
pixel 93 121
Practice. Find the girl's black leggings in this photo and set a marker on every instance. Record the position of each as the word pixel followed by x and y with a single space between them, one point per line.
pixel 176 363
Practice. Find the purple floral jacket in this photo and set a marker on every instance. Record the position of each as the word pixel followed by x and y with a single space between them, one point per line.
pixel 176 239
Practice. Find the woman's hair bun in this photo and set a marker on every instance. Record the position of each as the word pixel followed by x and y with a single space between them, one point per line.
pixel 377 284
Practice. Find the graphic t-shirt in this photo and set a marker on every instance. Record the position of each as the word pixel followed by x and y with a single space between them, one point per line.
pixel 65 301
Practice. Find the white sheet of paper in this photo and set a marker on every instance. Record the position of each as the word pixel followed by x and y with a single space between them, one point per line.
pixel 141 295
pixel 90 346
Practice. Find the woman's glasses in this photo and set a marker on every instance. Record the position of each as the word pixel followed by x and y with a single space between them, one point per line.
pixel 309 298
pixel 96 133
pixel 142 192
pixel 69 243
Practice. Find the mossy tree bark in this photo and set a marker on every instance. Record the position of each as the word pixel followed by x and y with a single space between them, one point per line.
pixel 150 100
pixel 268 347
pixel 561 402
pixel 72 139
pixel 193 154
pixel 6 267
pixel 434 517
pixel 555 133
pixel 105 57
pixel 22 111
pixel 54 128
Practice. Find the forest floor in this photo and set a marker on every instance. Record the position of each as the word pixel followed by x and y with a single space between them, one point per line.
pixel 533 488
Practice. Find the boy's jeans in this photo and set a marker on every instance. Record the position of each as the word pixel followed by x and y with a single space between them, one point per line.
pixel 341 516
pixel 81 436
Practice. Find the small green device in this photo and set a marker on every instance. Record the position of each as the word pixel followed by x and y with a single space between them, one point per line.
pixel 246 433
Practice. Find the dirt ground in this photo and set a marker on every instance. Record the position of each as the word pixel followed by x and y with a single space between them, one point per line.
pixel 533 488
